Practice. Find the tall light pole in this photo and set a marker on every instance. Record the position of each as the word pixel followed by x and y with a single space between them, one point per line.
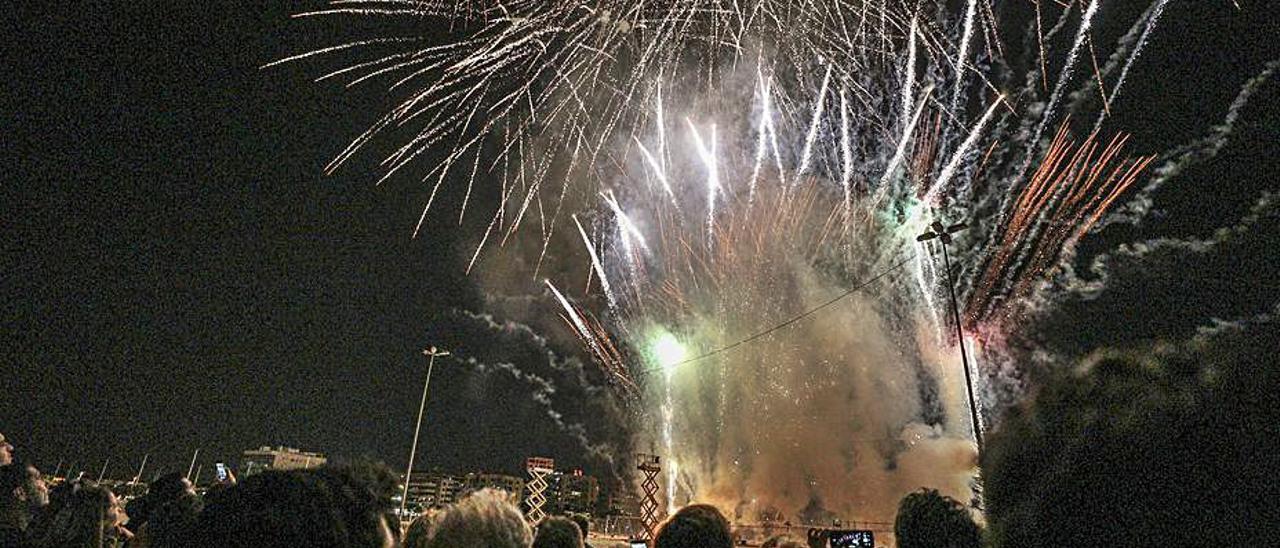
pixel 138 477
pixel 413 450
pixel 943 234
pixel 192 467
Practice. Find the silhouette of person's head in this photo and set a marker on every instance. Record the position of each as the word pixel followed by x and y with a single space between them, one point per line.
pixel 22 494
pixel 164 489
pixel 584 525
pixel 485 518
pixel 173 523
pixel 87 517
pixel 419 531
pixel 557 532
pixel 694 526
pixel 926 519
pixel 331 507
pixel 783 541
pixel 6 451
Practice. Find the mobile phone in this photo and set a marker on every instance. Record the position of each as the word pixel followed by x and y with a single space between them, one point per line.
pixel 222 471
pixel 852 538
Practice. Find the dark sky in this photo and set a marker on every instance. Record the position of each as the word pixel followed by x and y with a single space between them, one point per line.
pixel 179 273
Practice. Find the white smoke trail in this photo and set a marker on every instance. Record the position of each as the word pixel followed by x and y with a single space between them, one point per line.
pixel 1201 150
pixel 542 392
pixel 1133 56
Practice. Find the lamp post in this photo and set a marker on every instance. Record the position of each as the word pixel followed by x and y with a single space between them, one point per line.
pixel 413 450
pixel 943 234
pixel 103 472
pixel 138 477
pixel 192 467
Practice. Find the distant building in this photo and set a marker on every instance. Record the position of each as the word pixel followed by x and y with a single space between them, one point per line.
pixel 622 512
pixel 434 489
pixel 623 502
pixel 278 458
pixel 574 492
pixel 476 481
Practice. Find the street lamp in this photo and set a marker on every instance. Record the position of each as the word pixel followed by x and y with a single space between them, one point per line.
pixel 943 234
pixel 413 450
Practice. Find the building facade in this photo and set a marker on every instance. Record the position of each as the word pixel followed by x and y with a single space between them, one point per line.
pixel 475 481
pixel 266 458
pixel 574 492
pixel 434 489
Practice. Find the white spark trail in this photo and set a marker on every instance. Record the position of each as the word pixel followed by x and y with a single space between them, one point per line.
pixel 909 85
pixel 596 264
pixel 713 178
pixel 657 170
pixel 1137 50
pixel 629 229
pixel 956 159
pixel 1086 22
pixel 962 62
pixel 812 136
pixel 668 415
pixel 766 115
pixel 902 147
pixel 922 251
pixel 662 138
pixel 576 319
pixel 846 158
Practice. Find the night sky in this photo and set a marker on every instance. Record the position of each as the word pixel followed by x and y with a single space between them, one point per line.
pixel 179 273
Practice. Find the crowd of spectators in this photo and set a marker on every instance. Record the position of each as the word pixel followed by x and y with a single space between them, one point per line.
pixel 349 506
pixel 1128 451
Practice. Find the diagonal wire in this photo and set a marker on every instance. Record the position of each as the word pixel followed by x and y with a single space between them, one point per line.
pixel 790 321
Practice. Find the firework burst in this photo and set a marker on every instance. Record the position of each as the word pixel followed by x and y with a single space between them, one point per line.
pixel 811 142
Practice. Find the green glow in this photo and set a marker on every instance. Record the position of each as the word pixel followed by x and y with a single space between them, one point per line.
pixel 668 351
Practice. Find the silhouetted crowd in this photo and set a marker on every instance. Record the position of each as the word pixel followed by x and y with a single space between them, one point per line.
pixel 1171 448
pixel 334 506
pixel 347 506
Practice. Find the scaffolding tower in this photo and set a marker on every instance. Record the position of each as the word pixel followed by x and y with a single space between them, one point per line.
pixel 539 468
pixel 651 466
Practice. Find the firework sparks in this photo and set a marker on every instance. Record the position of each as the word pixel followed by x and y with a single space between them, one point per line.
pixel 552 96
pixel 1065 197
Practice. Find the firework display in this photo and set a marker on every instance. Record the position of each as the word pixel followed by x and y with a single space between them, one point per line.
pixel 742 184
